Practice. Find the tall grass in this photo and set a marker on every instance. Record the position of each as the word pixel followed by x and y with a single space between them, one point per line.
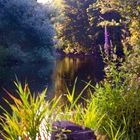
pixel 31 115
pixel 111 111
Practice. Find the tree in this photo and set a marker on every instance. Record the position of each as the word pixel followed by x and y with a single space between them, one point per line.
pixel 74 31
pixel 79 29
pixel 109 20
pixel 25 30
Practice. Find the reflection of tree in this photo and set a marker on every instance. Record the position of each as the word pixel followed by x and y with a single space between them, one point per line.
pixel 64 73
pixel 38 76
pixel 66 69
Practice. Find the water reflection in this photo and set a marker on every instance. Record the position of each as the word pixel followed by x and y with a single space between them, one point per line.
pixel 67 69
pixel 54 75
pixel 64 73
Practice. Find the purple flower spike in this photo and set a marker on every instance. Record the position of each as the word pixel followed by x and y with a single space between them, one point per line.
pixel 106 44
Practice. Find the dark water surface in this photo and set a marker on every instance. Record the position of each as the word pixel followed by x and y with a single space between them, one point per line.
pixel 55 75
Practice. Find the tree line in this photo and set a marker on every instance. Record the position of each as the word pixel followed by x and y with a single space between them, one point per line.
pixel 30 31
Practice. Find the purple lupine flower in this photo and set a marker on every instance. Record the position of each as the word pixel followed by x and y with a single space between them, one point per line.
pixel 106 44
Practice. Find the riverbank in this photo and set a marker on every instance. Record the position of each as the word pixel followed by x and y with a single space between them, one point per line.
pixel 62 53
pixel 108 111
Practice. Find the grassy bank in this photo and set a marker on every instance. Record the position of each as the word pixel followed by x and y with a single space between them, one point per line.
pixel 112 111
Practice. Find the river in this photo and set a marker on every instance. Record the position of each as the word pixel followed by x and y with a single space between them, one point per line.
pixel 55 76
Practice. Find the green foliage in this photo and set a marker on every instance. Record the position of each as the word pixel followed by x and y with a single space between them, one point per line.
pixel 130 11
pixel 74 30
pixel 26 31
pixel 79 28
pixel 74 110
pixel 30 115
pixel 113 109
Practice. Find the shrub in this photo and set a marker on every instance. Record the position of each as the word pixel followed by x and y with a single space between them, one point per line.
pixel 25 28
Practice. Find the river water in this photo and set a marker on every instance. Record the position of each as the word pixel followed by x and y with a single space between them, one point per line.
pixel 55 75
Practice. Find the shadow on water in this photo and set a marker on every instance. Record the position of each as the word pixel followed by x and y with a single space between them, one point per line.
pixel 67 69
pixel 54 75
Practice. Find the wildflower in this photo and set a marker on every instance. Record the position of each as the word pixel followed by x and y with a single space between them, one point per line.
pixel 106 44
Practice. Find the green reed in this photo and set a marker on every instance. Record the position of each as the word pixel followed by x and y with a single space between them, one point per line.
pixel 28 113
pixel 112 111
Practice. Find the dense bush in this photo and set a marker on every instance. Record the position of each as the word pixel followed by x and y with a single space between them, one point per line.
pixel 25 30
pixel 117 97
pixel 130 11
pixel 117 102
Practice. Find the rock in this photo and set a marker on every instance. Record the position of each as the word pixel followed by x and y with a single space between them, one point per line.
pixel 65 130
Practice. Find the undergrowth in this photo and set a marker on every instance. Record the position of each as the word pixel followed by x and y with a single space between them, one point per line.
pixel 112 111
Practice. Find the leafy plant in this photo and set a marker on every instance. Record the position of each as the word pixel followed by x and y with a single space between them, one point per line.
pixel 117 100
pixel 113 109
pixel 30 114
